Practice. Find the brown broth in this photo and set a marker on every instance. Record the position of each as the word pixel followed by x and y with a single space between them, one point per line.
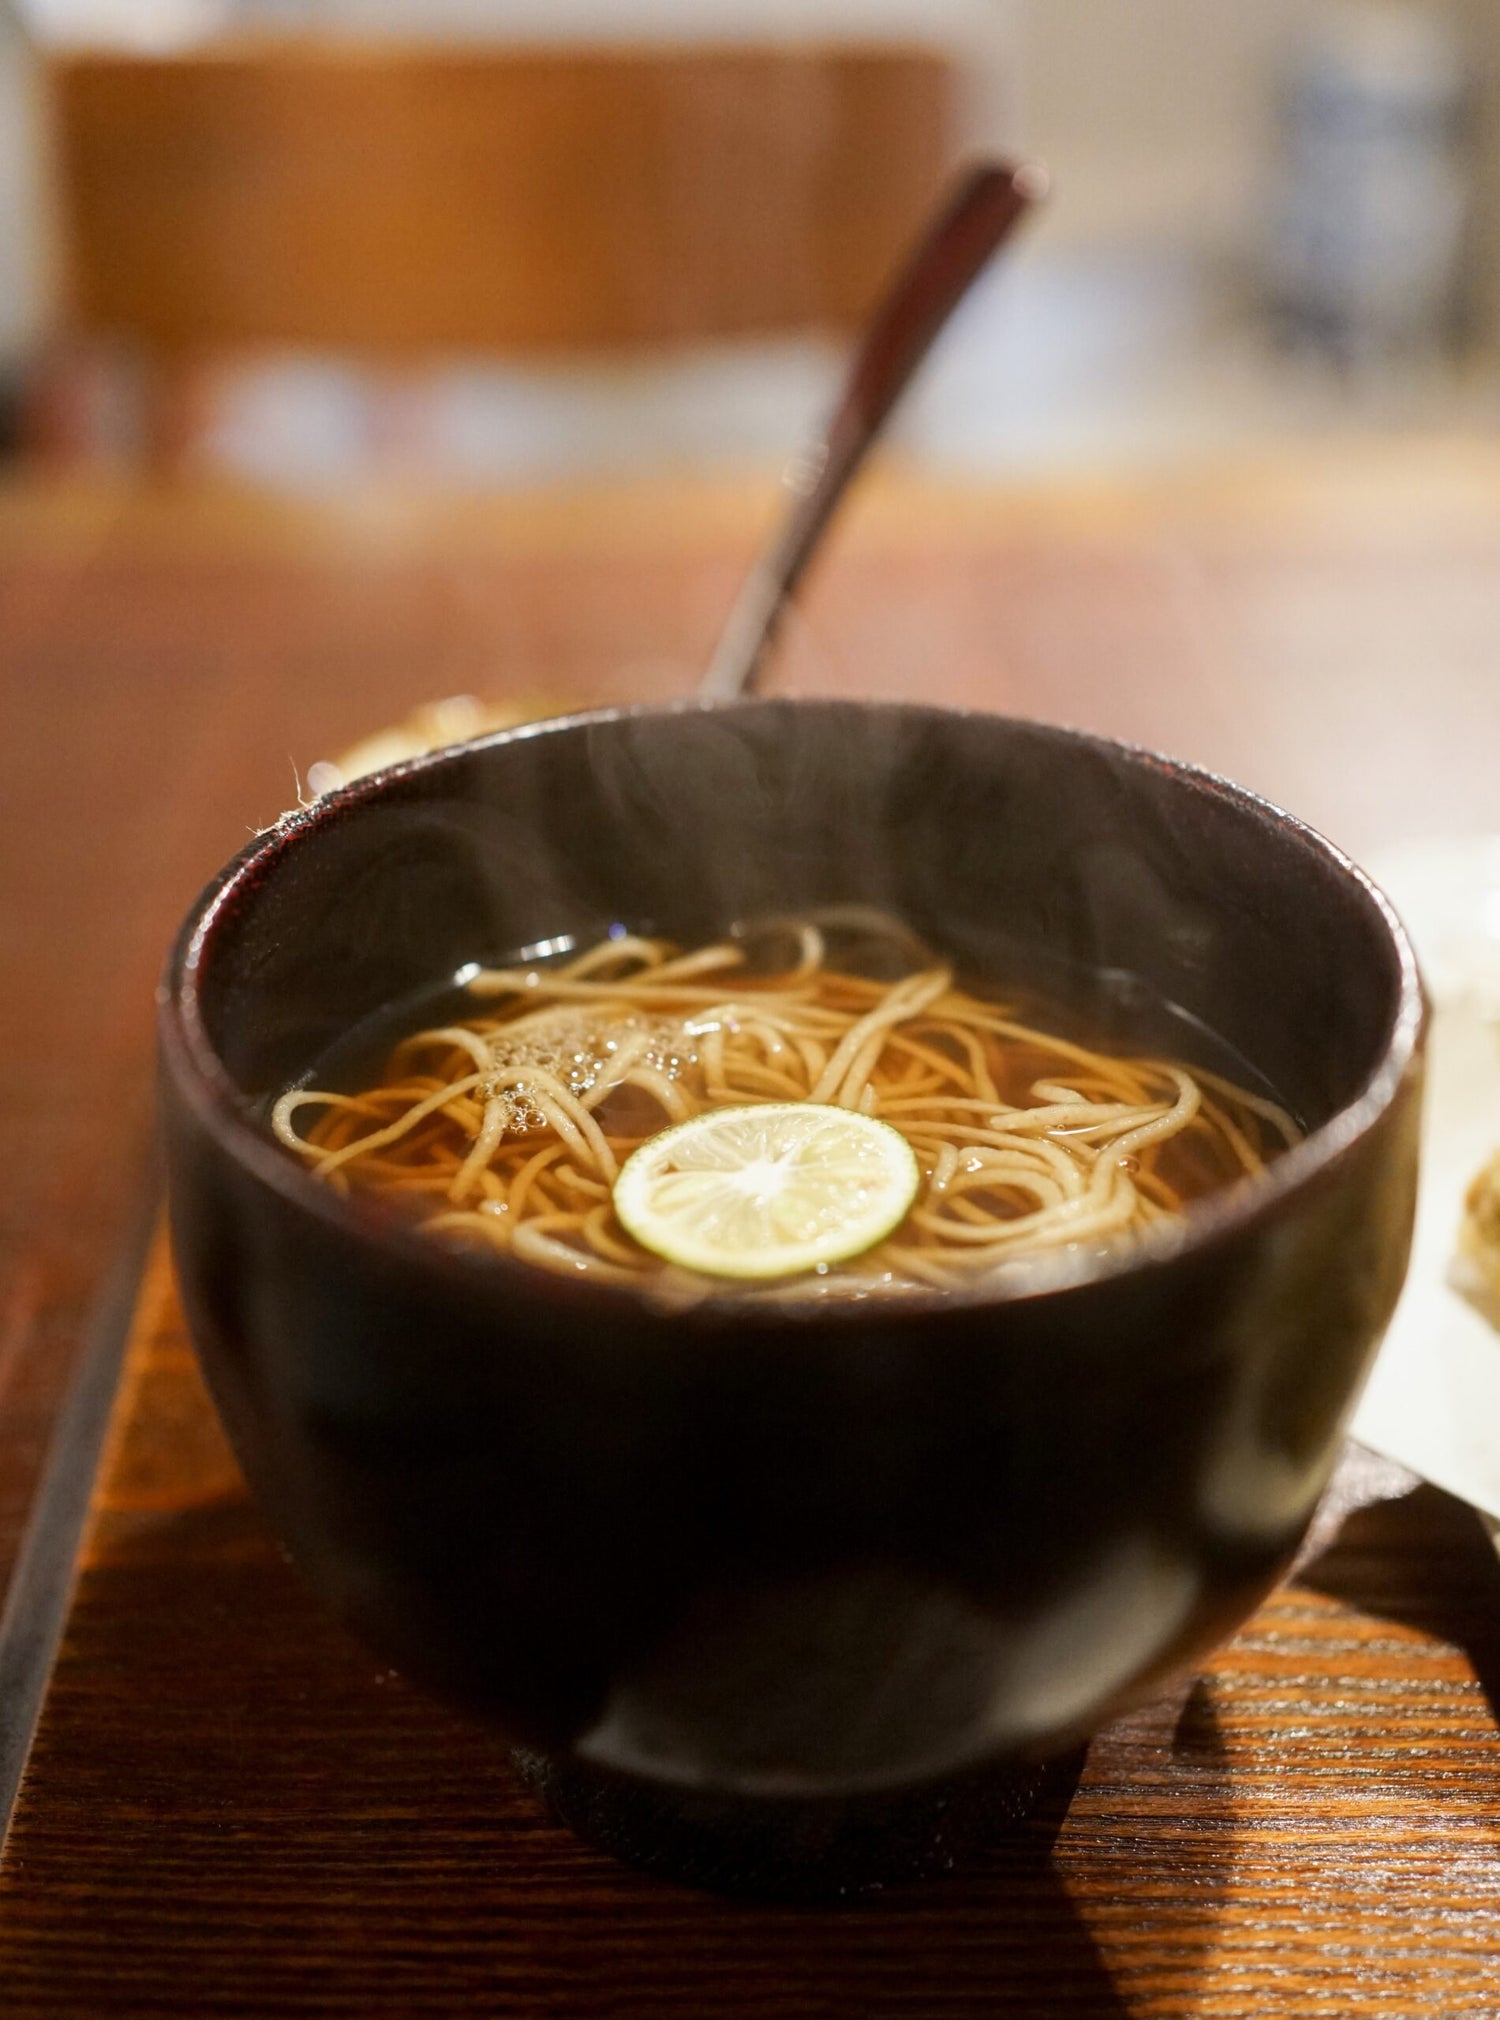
pixel 682 1050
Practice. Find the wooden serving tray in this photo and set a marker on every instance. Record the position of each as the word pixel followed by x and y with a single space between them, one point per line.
pixel 230 1808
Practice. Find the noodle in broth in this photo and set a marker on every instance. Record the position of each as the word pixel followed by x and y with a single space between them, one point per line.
pixel 507 1129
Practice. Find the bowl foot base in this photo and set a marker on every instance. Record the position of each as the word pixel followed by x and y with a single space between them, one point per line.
pixel 802 1849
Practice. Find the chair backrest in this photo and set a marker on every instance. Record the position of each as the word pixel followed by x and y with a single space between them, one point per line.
pixel 398 198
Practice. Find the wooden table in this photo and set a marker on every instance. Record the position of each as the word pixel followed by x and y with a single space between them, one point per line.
pixel 230 1808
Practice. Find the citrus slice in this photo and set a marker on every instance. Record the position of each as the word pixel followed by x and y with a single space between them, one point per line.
pixel 768 1190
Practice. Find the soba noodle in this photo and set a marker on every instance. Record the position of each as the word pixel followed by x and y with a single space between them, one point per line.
pixel 507 1129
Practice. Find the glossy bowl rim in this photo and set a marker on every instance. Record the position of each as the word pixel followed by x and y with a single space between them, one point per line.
pixel 192 1063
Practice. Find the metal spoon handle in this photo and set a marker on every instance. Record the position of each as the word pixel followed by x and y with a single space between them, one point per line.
pixel 982 211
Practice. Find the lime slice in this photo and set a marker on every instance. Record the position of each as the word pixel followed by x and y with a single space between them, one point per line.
pixel 767 1191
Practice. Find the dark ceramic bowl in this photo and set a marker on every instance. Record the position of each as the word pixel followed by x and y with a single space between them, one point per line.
pixel 741 1552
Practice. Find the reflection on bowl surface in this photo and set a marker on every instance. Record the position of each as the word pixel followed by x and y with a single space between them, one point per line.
pixel 760 1548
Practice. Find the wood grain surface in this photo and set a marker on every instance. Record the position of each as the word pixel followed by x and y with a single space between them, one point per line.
pixel 227 1811
pixel 232 1809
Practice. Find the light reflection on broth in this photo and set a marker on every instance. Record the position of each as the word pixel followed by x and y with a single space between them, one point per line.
pixel 505 1125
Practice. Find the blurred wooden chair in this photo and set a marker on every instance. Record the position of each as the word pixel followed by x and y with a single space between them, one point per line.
pixel 395 202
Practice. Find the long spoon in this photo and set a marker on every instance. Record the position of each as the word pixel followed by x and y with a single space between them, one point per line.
pixel 974 222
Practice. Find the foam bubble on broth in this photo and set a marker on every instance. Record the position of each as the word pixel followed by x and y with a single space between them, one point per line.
pixel 580 1047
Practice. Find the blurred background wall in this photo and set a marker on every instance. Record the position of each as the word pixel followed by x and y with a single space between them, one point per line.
pixel 1182 292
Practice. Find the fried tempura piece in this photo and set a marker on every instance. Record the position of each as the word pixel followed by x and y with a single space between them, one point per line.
pixel 1479 1234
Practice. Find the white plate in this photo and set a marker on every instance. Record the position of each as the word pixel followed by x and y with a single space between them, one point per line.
pixel 1433 1401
